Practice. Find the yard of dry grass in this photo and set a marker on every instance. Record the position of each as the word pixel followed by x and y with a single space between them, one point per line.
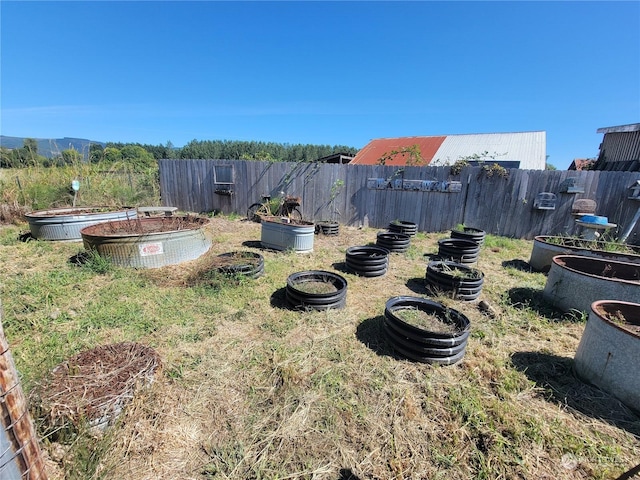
pixel 252 390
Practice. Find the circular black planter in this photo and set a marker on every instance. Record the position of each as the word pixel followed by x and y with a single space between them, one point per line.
pixel 458 250
pixel 394 242
pixel 367 261
pixel 468 233
pixel 327 228
pixel 401 226
pixel 465 283
pixel 249 264
pixel 298 297
pixel 421 344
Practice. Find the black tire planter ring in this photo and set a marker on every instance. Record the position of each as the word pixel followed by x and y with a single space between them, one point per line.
pixel 253 267
pixel 431 350
pixel 394 242
pixel 463 281
pixel 417 343
pixel 327 228
pixel 404 227
pixel 468 233
pixel 367 261
pixel 458 250
pixel 298 298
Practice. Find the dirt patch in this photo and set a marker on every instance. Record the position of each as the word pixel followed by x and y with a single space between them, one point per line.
pixel 142 226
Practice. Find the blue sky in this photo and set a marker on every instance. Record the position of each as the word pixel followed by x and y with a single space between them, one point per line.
pixel 330 73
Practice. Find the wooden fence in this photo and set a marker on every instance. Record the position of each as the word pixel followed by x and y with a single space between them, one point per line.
pixel 432 197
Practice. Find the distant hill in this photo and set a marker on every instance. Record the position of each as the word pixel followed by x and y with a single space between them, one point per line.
pixel 51 147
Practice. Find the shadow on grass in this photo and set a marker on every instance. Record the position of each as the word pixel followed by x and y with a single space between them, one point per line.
pixel 418 285
pixel 254 244
pixel 370 332
pixel 347 474
pixel 555 376
pixel 518 265
pixel 341 267
pixel 527 298
pixel 279 299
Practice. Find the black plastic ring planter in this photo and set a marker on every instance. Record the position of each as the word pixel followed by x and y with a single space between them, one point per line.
pixel 467 233
pixel 421 344
pixel 458 250
pixel 249 264
pixel 367 261
pixel 401 226
pixel 463 281
pixel 394 242
pixel 426 349
pixel 302 298
pixel 327 228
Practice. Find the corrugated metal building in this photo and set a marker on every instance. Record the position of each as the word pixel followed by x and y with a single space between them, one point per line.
pixel 620 148
pixel 525 150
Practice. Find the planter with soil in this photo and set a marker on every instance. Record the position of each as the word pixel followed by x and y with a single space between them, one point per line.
pixel 462 281
pixel 367 261
pixel 283 233
pixel 426 331
pixel 316 290
pixel 326 227
pixel 404 227
pixel 458 250
pixel 94 386
pixel 547 247
pixel 149 242
pixel 575 282
pixel 609 350
pixel 468 233
pixel 247 264
pixel 394 242
pixel 64 224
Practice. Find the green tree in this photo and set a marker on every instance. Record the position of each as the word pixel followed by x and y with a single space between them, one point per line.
pixel 112 154
pixel 96 153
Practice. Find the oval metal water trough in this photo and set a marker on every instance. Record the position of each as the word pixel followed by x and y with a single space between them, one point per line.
pixel 64 224
pixel 609 349
pixel 546 247
pixel 575 282
pixel 149 242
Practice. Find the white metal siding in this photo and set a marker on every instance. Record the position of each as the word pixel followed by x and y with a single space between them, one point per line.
pixel 529 148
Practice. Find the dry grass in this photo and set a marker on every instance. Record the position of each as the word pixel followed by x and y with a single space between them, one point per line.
pixel 252 389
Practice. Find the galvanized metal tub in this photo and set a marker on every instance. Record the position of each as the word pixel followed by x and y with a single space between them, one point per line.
pixel 575 282
pixel 64 224
pixel 149 242
pixel 609 351
pixel 546 247
pixel 285 234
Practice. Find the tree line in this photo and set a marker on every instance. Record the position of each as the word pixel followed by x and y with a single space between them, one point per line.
pixel 143 156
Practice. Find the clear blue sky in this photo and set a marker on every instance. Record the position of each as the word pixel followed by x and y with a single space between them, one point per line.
pixel 336 73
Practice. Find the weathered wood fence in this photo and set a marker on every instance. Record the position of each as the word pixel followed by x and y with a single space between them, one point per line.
pixel 351 195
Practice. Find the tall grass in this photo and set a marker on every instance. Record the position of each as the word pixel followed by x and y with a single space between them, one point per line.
pixel 252 389
pixel 112 185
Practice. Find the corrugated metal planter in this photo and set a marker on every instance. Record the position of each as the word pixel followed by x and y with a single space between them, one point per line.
pixel 64 224
pixel 287 234
pixel 547 247
pixel 575 282
pixel 149 242
pixel 609 351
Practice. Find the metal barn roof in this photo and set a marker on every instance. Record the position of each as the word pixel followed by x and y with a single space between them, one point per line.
pixel 527 148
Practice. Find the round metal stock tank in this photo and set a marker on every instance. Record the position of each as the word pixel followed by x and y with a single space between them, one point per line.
pixel 575 282
pixel 547 247
pixel 609 351
pixel 149 242
pixel 62 224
